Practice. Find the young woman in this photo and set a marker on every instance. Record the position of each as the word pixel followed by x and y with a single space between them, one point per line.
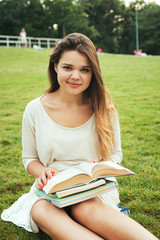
pixel 23 36
pixel 74 122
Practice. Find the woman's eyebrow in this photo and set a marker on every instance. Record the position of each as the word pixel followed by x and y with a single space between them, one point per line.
pixel 67 64
pixel 86 66
pixel 70 65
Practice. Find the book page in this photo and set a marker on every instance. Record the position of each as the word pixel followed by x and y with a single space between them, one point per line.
pixel 87 167
pixel 107 168
pixel 61 177
pixel 110 165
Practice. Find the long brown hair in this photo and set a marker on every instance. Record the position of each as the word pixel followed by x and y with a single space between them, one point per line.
pixel 96 91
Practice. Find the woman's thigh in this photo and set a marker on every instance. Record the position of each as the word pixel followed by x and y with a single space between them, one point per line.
pixel 107 222
pixel 46 215
pixel 57 223
pixel 88 211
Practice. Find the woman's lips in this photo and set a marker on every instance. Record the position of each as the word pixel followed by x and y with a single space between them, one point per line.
pixel 74 85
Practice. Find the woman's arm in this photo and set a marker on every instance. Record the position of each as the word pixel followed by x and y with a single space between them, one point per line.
pixel 42 173
pixel 29 150
pixel 116 155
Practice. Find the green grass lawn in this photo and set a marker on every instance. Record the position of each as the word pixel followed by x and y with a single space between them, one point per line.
pixel 134 85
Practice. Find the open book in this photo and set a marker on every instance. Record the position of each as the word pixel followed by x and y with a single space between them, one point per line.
pixel 83 174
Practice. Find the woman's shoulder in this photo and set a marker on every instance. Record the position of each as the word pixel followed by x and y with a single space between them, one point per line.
pixel 33 103
pixel 113 113
pixel 32 107
pixel 112 106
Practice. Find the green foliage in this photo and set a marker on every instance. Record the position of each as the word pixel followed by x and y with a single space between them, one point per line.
pixel 149 28
pixel 134 86
pixel 35 19
pixel 17 14
pixel 69 17
pixel 106 16
pixel 110 24
pixel 11 17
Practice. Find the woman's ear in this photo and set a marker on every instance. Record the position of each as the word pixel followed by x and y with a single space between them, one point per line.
pixel 55 67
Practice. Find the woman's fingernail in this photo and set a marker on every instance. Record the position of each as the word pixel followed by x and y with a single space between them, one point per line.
pixel 53 173
pixel 94 162
pixel 44 183
pixel 49 176
pixel 40 186
pixel 40 189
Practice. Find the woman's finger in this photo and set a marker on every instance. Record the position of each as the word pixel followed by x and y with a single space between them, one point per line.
pixel 39 184
pixel 52 172
pixel 43 178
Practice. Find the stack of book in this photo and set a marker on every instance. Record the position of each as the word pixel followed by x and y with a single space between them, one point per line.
pixel 88 180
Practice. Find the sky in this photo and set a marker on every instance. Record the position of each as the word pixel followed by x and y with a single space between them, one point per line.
pixel 147 1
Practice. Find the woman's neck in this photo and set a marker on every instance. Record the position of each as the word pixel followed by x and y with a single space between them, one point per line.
pixel 70 100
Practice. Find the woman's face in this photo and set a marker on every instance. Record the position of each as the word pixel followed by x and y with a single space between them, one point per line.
pixel 74 72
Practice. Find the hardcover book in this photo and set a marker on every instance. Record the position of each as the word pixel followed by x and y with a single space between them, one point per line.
pixel 84 173
pixel 79 196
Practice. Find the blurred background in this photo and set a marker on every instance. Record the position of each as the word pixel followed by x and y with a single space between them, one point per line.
pixel 115 26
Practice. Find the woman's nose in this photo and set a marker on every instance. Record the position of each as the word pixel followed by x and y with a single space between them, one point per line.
pixel 75 75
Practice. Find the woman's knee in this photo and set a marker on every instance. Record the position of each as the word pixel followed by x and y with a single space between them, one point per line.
pixel 43 210
pixel 43 214
pixel 87 210
pixel 37 211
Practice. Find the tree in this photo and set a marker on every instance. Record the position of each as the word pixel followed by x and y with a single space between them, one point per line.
pixel 11 17
pixel 17 14
pixel 127 41
pixel 110 24
pixel 35 19
pixel 69 16
pixel 106 16
pixel 149 29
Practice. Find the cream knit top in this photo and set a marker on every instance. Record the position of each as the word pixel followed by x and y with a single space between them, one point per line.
pixel 58 146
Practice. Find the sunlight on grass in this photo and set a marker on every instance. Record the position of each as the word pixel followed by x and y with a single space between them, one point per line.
pixel 134 85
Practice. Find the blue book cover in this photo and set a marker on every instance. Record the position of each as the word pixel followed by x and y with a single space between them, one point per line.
pixel 78 197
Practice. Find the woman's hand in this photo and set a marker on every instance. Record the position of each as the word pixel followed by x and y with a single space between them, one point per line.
pixel 46 174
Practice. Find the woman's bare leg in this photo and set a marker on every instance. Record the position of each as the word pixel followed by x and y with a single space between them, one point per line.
pixel 57 224
pixel 107 222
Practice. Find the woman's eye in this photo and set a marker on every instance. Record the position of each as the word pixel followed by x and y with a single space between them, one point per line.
pixel 85 70
pixel 67 68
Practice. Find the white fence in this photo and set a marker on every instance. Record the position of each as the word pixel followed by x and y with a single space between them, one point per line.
pixel 15 41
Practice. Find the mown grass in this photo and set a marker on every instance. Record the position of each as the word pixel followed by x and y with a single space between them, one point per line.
pixel 134 85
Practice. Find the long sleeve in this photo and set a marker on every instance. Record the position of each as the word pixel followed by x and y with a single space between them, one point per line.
pixel 116 155
pixel 29 151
